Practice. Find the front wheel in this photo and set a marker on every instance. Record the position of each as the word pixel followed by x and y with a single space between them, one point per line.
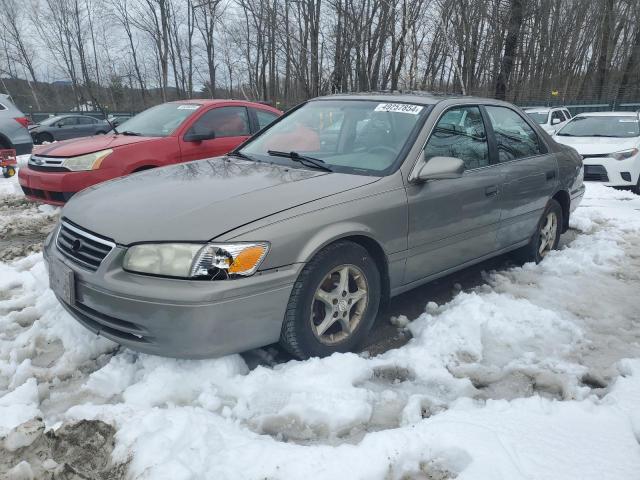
pixel 547 234
pixel 334 302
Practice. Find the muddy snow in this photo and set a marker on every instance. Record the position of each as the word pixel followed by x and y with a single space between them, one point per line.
pixel 533 374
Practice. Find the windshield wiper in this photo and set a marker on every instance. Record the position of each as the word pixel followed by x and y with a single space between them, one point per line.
pixel 242 155
pixel 303 159
pixel 130 133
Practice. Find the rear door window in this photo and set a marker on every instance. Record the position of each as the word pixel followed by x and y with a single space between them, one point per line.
pixel 514 137
pixel 264 118
pixel 224 122
pixel 460 133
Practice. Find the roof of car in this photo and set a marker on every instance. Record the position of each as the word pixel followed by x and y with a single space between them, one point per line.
pixel 421 98
pixel 213 101
pixel 542 109
pixel 608 114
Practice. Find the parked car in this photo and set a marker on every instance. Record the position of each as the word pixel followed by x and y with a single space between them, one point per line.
pixel 13 128
pixel 65 127
pixel 116 120
pixel 609 143
pixel 289 239
pixel 162 135
pixel 550 119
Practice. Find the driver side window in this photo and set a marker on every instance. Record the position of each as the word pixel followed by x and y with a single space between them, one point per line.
pixel 460 133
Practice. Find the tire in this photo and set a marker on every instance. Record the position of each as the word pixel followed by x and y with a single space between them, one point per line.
pixel 8 172
pixel 532 252
pixel 636 189
pixel 316 328
pixel 40 138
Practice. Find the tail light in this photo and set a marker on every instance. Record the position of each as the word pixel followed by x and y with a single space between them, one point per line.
pixel 24 121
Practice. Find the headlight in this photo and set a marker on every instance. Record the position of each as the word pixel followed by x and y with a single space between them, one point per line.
pixel 624 154
pixel 90 161
pixel 212 261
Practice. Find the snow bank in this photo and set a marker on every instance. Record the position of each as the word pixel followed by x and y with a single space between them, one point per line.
pixel 524 377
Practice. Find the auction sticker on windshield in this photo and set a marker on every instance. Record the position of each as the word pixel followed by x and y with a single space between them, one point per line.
pixel 399 108
pixel 188 107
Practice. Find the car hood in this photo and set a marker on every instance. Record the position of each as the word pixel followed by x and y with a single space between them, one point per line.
pixel 199 201
pixel 597 145
pixel 81 146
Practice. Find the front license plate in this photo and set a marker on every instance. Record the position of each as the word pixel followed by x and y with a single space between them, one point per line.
pixel 62 281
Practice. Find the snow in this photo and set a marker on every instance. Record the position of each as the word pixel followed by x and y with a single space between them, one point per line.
pixel 535 374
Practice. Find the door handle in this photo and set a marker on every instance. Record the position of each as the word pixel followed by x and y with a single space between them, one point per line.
pixel 551 174
pixel 491 191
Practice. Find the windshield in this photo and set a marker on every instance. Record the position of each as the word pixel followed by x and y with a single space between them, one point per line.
pixel 352 136
pixel 609 126
pixel 50 120
pixel 539 117
pixel 158 121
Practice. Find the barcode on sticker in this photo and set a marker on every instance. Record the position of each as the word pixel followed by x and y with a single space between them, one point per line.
pixel 399 108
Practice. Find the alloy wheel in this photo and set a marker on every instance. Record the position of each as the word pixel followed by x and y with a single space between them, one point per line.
pixel 339 304
pixel 548 234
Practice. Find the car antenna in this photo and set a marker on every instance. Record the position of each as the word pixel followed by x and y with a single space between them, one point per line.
pixel 104 114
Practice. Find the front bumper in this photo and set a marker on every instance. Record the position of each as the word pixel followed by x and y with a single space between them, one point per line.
pixel 56 188
pixel 177 318
pixel 612 172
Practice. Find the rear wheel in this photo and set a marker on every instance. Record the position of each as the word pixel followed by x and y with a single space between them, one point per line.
pixel 547 234
pixel 41 138
pixel 8 172
pixel 334 302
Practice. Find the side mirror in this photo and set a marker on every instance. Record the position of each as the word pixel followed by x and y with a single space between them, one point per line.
pixel 60 125
pixel 199 137
pixel 440 168
pixel 555 121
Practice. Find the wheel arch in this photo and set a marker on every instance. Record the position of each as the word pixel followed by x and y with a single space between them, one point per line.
pixel 365 240
pixel 564 199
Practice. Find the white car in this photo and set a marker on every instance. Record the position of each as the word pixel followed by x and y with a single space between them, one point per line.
pixel 551 119
pixel 609 143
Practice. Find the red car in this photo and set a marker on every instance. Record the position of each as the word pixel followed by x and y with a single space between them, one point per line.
pixel 162 135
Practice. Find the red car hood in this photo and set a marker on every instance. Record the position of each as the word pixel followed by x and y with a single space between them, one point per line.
pixel 81 146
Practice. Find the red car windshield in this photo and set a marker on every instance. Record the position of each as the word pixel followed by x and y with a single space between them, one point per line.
pixel 159 121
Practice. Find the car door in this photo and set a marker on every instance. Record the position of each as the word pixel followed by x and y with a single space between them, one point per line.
pixel 454 221
pixel 530 174
pixel 86 126
pixel 65 128
pixel 230 125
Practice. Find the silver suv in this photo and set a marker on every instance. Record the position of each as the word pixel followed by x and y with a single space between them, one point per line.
pixel 13 127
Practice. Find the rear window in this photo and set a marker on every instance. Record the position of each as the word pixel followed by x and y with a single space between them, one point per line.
pixel 602 126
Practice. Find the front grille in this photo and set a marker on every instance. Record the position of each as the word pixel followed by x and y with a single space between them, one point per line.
pixel 47 164
pixel 595 173
pixel 82 247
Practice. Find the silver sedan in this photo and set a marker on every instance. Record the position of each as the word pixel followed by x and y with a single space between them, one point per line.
pixel 304 231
